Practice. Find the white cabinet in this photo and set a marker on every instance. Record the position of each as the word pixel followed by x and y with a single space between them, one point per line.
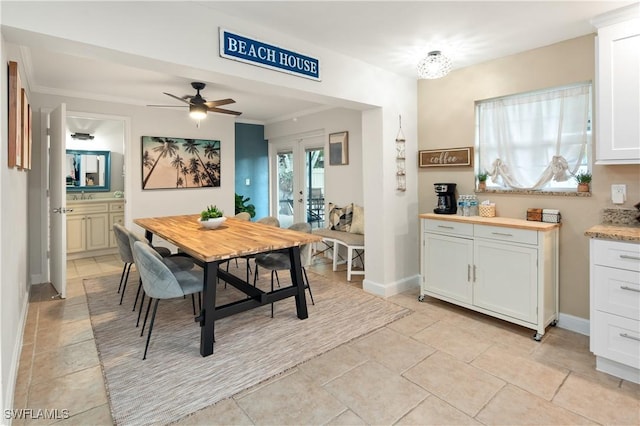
pixel 507 272
pixel 615 307
pixel 618 87
pixel 89 227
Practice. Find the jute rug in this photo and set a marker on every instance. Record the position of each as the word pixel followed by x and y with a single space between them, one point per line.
pixel 250 347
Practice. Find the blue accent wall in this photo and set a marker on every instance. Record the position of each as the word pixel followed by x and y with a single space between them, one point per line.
pixel 252 162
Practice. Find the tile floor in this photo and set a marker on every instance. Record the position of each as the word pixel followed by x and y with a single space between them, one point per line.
pixel 439 365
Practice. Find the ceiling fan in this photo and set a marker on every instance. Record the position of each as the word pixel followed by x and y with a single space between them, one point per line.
pixel 199 106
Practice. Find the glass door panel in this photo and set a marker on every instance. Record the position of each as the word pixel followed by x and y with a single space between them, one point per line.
pixel 284 173
pixel 314 185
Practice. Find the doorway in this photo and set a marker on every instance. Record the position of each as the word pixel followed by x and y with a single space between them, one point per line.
pixel 297 179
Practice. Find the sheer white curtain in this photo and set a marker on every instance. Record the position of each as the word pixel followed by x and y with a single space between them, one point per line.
pixel 525 141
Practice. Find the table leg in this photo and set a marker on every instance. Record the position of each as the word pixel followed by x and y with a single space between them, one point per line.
pixel 296 279
pixel 207 320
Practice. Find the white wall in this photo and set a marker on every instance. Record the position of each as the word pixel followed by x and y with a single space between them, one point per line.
pixel 343 184
pixel 14 282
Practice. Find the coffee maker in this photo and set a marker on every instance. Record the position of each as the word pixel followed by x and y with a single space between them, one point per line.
pixel 446 198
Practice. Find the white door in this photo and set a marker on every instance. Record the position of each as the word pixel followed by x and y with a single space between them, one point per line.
pixel 58 200
pixel 297 180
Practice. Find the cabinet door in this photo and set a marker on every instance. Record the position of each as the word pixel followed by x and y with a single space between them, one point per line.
pixel 506 279
pixel 113 219
pixel 447 266
pixel 76 234
pixel 618 73
pixel 97 231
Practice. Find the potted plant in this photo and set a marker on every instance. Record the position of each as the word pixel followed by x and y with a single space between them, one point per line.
pixel 482 180
pixel 242 206
pixel 584 180
pixel 211 217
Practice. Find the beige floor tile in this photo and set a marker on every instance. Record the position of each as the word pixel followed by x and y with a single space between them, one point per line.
pixel 76 392
pixel 225 412
pixel 413 323
pixel 100 415
pixel 434 411
pixel 62 334
pixel 514 406
pixel 465 387
pixel 293 400
pixel 61 311
pixel 530 375
pixel 375 393
pixel 332 364
pixel 395 351
pixel 347 418
pixel 64 361
pixel 597 402
pixel 453 340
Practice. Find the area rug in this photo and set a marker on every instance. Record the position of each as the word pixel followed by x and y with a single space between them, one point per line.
pixel 175 381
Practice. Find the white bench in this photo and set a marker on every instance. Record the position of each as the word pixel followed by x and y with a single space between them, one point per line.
pixel 354 243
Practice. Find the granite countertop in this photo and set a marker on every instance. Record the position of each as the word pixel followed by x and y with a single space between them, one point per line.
pixel 615 231
pixel 94 200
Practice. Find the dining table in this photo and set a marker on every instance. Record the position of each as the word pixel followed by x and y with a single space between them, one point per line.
pixel 209 248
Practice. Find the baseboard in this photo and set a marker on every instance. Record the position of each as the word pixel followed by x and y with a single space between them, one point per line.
pixel 15 360
pixel 391 289
pixel 572 323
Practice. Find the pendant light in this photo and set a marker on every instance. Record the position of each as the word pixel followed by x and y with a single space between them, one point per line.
pixel 434 65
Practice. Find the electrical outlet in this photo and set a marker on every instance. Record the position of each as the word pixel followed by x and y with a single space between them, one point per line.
pixel 618 193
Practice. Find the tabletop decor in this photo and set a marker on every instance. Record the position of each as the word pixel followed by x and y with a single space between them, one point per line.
pixel 179 163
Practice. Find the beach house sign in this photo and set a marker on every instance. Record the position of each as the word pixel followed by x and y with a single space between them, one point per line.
pixel 244 49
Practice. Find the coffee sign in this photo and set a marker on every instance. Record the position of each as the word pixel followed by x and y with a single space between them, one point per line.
pixel 446 157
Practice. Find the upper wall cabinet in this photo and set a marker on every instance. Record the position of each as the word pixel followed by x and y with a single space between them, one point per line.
pixel 618 86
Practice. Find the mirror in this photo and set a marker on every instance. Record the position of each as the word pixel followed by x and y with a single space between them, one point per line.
pixel 88 171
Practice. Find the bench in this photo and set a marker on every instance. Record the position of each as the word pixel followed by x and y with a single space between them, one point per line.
pixel 354 244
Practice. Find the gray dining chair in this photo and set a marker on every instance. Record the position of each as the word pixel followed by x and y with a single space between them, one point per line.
pixel 269 220
pixel 279 261
pixel 175 262
pixel 160 282
pixel 122 235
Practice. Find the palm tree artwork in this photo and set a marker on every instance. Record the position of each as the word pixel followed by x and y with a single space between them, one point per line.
pixel 175 163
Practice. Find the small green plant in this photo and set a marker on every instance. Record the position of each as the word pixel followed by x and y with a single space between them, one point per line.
pixel 583 177
pixel 241 205
pixel 482 176
pixel 211 212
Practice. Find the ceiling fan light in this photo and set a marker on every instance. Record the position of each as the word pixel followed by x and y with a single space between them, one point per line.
pixel 434 65
pixel 198 112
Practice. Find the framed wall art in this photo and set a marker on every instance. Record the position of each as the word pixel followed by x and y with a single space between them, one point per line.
pixel 14 112
pixel 180 163
pixel 25 137
pixel 446 157
pixel 339 148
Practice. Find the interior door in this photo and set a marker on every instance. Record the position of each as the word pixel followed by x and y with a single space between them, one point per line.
pixel 58 200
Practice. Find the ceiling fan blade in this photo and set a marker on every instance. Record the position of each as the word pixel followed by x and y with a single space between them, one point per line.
pixel 175 97
pixel 212 104
pixel 224 111
pixel 167 106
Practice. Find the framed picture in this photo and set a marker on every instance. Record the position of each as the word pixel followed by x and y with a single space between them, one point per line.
pixel 180 163
pixel 446 157
pixel 14 112
pixel 25 134
pixel 339 148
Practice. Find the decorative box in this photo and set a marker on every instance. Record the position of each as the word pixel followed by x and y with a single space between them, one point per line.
pixel 551 215
pixel 487 210
pixel 534 215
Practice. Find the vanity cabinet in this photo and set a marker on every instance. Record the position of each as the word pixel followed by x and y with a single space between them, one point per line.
pixel 90 227
pixel 615 307
pixel 506 268
pixel 617 86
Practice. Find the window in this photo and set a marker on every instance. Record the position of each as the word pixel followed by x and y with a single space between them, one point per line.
pixel 537 140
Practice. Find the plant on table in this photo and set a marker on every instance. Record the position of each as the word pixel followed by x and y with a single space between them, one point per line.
pixel 212 212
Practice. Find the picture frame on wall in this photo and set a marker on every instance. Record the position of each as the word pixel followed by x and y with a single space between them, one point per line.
pixel 339 148
pixel 14 116
pixel 180 163
pixel 25 136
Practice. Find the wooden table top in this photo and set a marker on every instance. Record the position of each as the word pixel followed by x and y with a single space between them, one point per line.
pixel 233 238
pixel 506 222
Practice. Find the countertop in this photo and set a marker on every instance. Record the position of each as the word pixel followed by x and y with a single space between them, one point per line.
pixel 507 222
pixel 95 200
pixel 612 231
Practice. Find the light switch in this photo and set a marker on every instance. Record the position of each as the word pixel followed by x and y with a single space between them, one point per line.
pixel 618 193
pixel 247 181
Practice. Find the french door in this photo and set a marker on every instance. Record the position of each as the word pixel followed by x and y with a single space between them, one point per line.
pixel 297 181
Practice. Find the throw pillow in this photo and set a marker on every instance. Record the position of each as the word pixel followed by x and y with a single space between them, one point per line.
pixel 340 217
pixel 357 223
